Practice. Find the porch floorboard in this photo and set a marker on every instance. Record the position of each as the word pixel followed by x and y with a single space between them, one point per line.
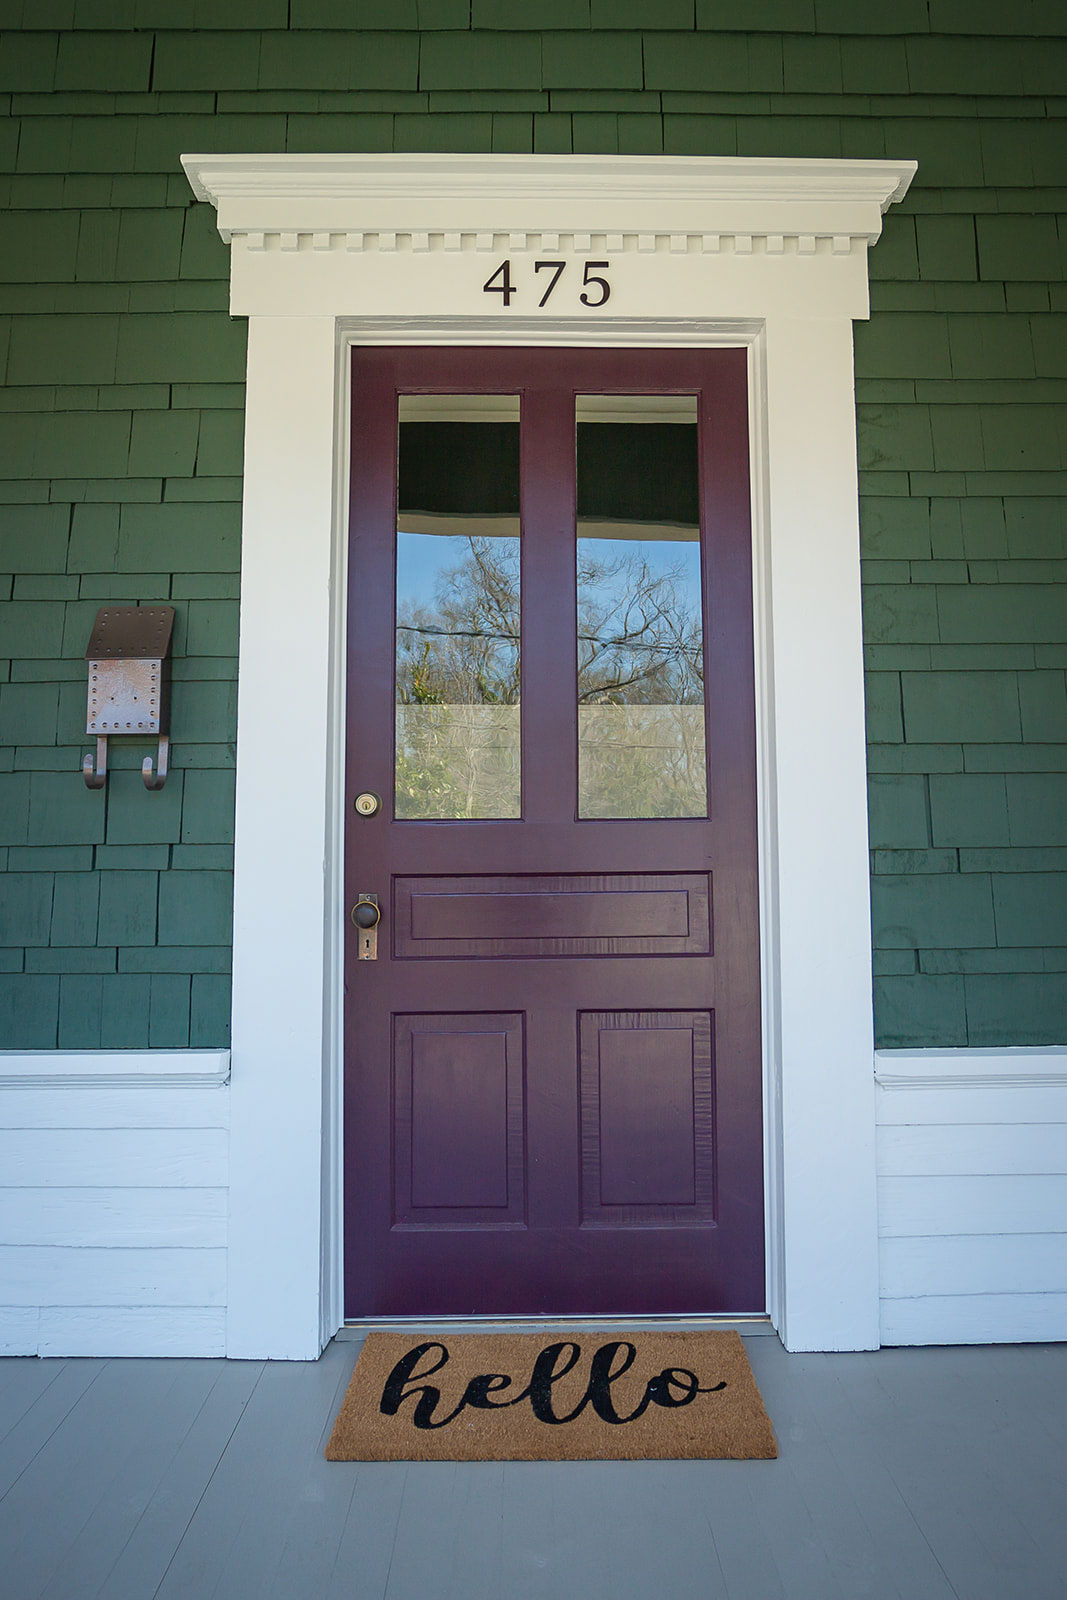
pixel 934 1474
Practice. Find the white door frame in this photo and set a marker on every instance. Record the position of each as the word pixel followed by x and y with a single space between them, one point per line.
pixel 329 251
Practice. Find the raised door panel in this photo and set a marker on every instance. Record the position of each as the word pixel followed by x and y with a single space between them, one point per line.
pixel 539 914
pixel 458 1125
pixel 647 1118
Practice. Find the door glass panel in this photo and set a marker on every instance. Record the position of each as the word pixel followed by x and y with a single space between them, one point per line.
pixel 457 608
pixel 641 743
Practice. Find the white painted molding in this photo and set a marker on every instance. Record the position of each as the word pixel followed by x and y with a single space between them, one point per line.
pixel 113 1069
pixel 762 254
pixel 1040 1067
pixel 515 203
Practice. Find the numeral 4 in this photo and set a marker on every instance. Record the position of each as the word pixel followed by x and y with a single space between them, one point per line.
pixel 504 287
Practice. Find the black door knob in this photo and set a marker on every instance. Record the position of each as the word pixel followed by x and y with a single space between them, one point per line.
pixel 366 914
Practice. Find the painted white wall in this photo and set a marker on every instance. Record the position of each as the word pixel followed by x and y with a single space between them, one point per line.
pixel 972 1182
pixel 113 1203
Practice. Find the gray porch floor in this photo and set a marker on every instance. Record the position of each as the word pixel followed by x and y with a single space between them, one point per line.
pixel 918 1474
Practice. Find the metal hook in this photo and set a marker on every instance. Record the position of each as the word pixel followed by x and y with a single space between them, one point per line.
pixel 96 776
pixel 160 777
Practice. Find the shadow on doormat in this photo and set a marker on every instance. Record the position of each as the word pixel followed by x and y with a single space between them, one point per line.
pixel 542 1397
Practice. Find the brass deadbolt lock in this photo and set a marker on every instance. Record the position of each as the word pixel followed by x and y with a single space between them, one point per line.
pixel 368 804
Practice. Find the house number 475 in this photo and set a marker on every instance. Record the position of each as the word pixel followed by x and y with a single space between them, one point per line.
pixel 595 289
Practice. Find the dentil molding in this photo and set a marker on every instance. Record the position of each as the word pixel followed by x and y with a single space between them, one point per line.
pixel 615 204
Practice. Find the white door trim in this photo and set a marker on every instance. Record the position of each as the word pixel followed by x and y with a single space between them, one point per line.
pixel 331 251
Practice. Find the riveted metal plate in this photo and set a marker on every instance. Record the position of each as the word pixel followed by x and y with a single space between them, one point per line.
pixel 126 697
pixel 129 674
pixel 133 632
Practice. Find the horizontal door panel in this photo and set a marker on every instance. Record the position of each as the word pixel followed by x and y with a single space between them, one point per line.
pixel 537 914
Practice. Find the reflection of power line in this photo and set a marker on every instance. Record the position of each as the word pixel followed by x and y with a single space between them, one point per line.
pixel 453 633
pixel 583 638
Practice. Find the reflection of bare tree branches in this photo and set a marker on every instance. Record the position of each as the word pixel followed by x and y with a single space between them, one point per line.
pixel 639 635
pixel 639 638
pixel 465 650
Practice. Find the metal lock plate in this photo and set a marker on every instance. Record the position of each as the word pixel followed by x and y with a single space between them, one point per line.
pixel 366 938
pixel 368 804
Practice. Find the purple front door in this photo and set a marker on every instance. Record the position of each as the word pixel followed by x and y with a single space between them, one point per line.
pixel 552 1069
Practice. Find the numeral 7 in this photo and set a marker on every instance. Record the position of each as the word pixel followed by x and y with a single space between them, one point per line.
pixel 556 268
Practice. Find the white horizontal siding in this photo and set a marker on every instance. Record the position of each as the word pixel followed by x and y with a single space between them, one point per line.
pixel 975 1319
pixel 19 1327
pixel 1021 1263
pixel 997 1204
pixel 972 1187
pixel 116 1108
pixel 58 1275
pixel 918 1107
pixel 113 1208
pixel 112 1158
pixel 131 1331
pixel 973 1149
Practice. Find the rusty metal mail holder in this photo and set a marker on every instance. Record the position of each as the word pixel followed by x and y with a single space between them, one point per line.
pixel 129 685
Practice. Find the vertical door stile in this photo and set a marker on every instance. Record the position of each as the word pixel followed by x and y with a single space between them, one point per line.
pixel 549 609
pixel 369 767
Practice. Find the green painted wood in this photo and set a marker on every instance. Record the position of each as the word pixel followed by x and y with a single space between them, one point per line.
pixel 898 812
pixel 912 1011
pixel 120 470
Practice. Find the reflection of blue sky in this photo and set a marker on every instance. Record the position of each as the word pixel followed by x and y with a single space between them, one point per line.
pixel 661 556
pixel 421 559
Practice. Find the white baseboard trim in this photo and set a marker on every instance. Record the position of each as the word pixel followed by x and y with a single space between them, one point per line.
pixel 113 1069
pixel 1043 1066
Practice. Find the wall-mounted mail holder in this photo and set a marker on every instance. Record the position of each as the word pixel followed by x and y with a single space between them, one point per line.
pixel 129 686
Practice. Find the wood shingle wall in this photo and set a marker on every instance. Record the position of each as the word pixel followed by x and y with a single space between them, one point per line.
pixel 120 444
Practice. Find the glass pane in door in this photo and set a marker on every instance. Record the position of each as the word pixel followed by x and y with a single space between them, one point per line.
pixel 457 608
pixel 641 741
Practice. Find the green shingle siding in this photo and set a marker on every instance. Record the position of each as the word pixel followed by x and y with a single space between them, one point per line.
pixel 120 455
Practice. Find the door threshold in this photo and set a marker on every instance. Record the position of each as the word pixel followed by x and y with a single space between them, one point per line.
pixel 756 1323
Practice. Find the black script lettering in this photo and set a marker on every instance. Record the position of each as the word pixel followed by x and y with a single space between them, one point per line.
pixel 546 1373
pixel 602 1375
pixel 658 1391
pixel 479 1389
pixel 671 1388
pixel 403 1373
pixel 660 1388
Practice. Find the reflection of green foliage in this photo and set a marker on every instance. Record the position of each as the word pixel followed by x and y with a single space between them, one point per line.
pixel 420 682
pixel 426 787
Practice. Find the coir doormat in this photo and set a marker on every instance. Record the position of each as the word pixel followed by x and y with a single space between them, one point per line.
pixel 546 1397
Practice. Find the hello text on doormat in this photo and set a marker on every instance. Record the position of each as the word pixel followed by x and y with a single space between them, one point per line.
pixel 547 1397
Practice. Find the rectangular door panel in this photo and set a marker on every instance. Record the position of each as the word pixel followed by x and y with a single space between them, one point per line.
pixel 458 1121
pixel 544 915
pixel 647 1118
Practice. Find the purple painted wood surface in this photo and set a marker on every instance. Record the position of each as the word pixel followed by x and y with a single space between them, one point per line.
pixel 553 1102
